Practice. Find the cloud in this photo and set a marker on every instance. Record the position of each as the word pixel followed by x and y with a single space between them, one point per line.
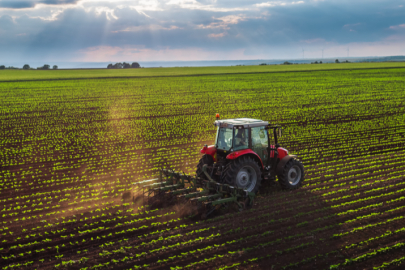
pixel 217 35
pixel 195 5
pixel 279 3
pixel 397 27
pixel 17 4
pixel 109 12
pixel 152 27
pixel 6 22
pixel 52 17
pixel 223 22
pixel 147 5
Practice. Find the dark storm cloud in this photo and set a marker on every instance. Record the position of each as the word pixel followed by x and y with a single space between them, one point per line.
pixel 16 4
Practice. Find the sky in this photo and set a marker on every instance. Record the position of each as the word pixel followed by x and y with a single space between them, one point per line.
pixel 184 30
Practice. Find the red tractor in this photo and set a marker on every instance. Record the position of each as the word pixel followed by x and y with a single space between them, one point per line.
pixel 243 156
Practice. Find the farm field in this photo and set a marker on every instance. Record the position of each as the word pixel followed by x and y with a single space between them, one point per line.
pixel 70 150
pixel 29 75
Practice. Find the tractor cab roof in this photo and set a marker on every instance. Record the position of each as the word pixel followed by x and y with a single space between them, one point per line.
pixel 240 123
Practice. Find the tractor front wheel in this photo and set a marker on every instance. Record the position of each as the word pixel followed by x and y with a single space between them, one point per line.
pixel 206 159
pixel 244 173
pixel 292 175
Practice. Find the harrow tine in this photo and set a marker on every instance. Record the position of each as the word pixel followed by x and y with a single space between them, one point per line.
pixel 193 194
pixel 180 192
pixel 156 185
pixel 207 198
pixel 170 187
pixel 145 182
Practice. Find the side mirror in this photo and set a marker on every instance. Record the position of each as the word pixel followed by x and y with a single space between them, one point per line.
pixel 279 131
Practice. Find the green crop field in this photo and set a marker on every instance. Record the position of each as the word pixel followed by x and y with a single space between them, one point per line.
pixel 73 141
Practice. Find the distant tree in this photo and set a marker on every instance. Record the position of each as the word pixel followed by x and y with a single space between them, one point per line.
pixel 262 64
pixel 26 66
pixel 2 67
pixel 55 67
pixel 126 65
pixel 110 66
pixel 44 67
pixel 118 65
pixel 337 61
pixel 320 62
pixel 287 63
pixel 135 65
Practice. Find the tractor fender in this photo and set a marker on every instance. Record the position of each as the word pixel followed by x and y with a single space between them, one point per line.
pixel 282 152
pixel 209 150
pixel 282 162
pixel 236 154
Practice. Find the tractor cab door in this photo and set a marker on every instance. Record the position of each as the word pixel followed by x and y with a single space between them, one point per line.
pixel 241 140
pixel 260 142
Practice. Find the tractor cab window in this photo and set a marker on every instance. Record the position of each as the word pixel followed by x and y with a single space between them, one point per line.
pixel 241 139
pixel 259 137
pixel 224 138
pixel 260 142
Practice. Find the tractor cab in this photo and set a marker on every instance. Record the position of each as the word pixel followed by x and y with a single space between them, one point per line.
pixel 244 154
pixel 241 134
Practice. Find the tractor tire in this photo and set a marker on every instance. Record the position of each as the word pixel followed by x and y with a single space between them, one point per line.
pixel 206 159
pixel 292 175
pixel 244 173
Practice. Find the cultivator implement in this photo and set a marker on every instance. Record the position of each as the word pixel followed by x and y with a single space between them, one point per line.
pixel 242 157
pixel 203 197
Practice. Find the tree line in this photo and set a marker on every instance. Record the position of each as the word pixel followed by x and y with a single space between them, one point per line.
pixel 26 66
pixel 124 65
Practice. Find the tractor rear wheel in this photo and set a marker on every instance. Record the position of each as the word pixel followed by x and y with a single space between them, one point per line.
pixel 244 173
pixel 292 175
pixel 206 159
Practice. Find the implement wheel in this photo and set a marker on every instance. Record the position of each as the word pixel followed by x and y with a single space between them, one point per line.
pixel 206 159
pixel 244 173
pixel 292 175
